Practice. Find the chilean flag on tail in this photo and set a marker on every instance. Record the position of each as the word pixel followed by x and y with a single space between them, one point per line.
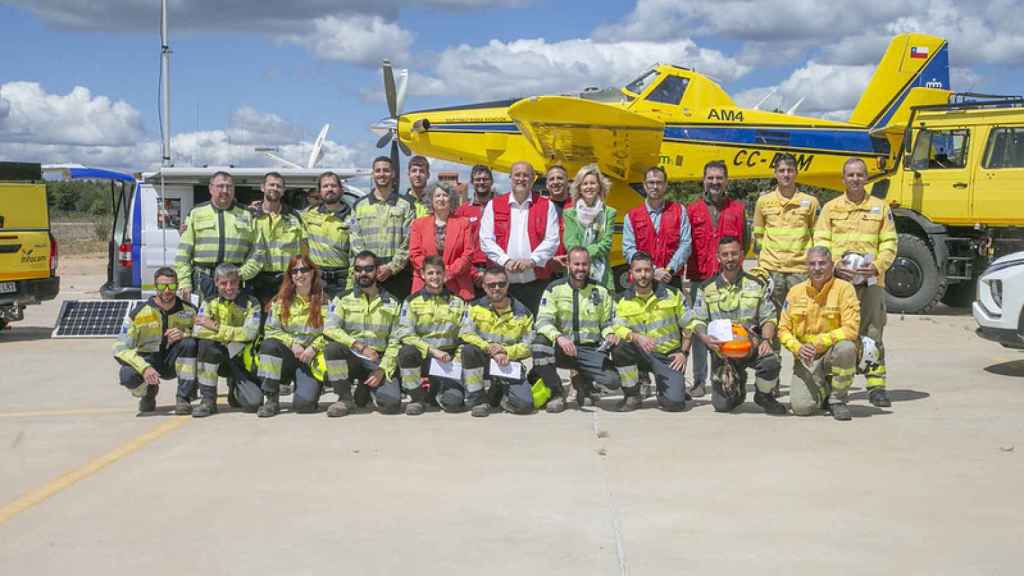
pixel 919 52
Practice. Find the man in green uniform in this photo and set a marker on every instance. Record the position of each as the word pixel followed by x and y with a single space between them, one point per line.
pixel 327 234
pixel 380 224
pixel 279 236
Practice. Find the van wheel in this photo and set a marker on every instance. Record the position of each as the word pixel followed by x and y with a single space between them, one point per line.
pixel 961 294
pixel 913 284
pixel 621 275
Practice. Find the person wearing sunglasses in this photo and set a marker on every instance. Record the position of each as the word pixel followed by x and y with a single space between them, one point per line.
pixel 154 344
pixel 361 343
pixel 293 343
pixel 496 329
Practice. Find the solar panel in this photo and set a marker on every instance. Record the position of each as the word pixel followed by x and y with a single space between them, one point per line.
pixel 91 318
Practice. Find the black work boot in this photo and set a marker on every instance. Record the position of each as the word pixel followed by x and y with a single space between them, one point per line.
pixel 207 406
pixel 555 405
pixel 481 410
pixel 698 390
pixel 878 397
pixel 630 403
pixel 183 407
pixel 840 411
pixel 769 403
pixel 147 403
pixel 414 408
pixel 270 407
pixel 232 389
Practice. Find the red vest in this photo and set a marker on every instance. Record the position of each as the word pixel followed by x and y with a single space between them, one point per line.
pixel 732 221
pixel 660 244
pixel 536 224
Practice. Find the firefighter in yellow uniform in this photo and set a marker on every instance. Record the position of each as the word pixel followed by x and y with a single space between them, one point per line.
pixel 361 343
pixel 380 224
pixel 428 329
pixel 216 233
pixel 649 320
pixel 279 236
pixel 819 324
pixel 327 234
pixel 862 225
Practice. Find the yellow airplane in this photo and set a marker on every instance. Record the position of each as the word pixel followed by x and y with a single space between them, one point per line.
pixel 679 119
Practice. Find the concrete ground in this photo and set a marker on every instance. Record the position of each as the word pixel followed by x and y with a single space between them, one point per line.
pixel 930 486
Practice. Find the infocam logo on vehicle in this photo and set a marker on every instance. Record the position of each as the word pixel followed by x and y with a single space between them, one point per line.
pixel 28 258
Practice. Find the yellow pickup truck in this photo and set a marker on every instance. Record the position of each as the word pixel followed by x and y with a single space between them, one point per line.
pixel 28 252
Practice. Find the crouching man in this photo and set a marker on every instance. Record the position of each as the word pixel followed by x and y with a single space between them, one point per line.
pixel 496 328
pixel 819 325
pixel 154 344
pixel 746 302
pixel 649 320
pixel 225 325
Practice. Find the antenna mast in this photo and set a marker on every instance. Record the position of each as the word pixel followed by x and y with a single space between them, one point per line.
pixel 165 85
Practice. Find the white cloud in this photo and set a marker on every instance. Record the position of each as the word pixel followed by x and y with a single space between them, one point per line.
pixel 535 66
pixel 253 127
pixel 77 118
pixel 358 39
pixel 828 90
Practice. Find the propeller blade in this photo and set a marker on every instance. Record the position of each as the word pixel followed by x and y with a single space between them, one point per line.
pixel 403 84
pixel 318 147
pixel 384 140
pixel 394 163
pixel 389 88
pixel 405 149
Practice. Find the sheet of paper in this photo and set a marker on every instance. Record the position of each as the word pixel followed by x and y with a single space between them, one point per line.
pixel 512 371
pixel 720 330
pixel 440 369
pixel 234 348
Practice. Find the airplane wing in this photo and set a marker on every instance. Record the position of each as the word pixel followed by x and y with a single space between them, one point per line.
pixel 577 132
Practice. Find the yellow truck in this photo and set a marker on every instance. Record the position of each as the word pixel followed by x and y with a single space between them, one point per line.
pixel 957 193
pixel 28 252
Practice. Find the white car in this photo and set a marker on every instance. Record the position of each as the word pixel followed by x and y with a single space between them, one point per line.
pixel 999 309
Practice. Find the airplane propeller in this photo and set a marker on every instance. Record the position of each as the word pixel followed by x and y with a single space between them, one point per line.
pixel 388 127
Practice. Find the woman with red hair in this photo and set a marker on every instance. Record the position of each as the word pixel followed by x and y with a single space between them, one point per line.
pixel 293 342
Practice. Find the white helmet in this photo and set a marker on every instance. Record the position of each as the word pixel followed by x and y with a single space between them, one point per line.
pixel 868 354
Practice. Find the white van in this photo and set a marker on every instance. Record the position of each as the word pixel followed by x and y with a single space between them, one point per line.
pixel 150 210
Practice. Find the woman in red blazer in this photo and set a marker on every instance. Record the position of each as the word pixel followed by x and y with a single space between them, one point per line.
pixel 457 243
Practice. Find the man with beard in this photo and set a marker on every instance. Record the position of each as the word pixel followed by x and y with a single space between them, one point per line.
pixel 819 325
pixel 650 322
pixel 712 217
pixel 279 236
pixel 483 183
pixel 327 233
pixel 361 342
pixel 574 330
pixel 380 224
pixel 154 344
pixel 519 231
pixel 743 300
pixel 660 228
pixel 497 328
pixel 419 174
pixel 428 329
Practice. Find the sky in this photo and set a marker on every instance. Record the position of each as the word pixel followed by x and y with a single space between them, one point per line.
pixel 80 80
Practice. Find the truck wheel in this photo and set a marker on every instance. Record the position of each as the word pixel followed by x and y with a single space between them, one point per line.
pixel 961 294
pixel 913 284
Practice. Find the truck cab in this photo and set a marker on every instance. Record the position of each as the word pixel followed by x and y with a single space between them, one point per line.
pixel 958 198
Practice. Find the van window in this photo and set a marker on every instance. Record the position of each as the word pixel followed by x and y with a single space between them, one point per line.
pixel 940 150
pixel 123 194
pixel 670 91
pixel 1005 148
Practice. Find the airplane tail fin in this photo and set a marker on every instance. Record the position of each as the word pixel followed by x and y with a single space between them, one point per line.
pixel 914 71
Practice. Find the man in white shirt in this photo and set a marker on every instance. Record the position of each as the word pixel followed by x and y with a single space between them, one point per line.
pixel 519 231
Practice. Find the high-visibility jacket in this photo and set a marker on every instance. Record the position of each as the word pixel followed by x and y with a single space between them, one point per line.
pixel 585 315
pixel 143 331
pixel 784 230
pixel 703 263
pixel 238 319
pixel 327 234
pixel 278 238
pixel 536 225
pixel 419 206
pixel 297 329
pixel 382 227
pixel 660 315
pixel 431 320
pixel 214 236
pixel 822 318
pixel 354 316
pixel 746 302
pixel 512 327
pixel 866 227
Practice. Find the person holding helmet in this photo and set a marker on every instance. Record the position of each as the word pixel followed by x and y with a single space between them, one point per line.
pixel 745 301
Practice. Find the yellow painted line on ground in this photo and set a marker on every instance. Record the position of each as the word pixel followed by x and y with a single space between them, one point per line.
pixel 30 499
pixel 78 412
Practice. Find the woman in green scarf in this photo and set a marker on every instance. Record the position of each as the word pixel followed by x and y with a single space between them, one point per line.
pixel 590 223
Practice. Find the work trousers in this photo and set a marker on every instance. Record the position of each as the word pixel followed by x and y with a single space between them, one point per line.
pixel 413 365
pixel 399 285
pixel 828 377
pixel 872 324
pixel 729 378
pixel 213 360
pixel 178 359
pixel 278 365
pixel 529 293
pixel 698 351
pixel 476 369
pixel 334 281
pixel 343 366
pixel 630 359
pixel 591 364
pixel 782 283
